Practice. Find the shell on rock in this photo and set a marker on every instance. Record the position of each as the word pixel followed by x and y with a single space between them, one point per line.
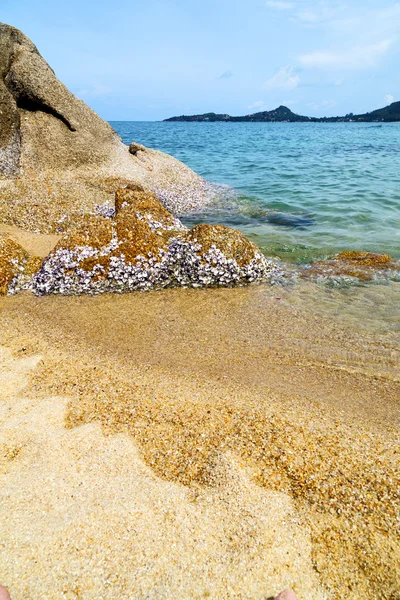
pixel 145 247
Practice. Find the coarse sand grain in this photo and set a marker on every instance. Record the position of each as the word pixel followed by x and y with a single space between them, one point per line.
pixel 186 444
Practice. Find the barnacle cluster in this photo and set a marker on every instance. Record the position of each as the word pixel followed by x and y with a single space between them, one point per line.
pixel 145 247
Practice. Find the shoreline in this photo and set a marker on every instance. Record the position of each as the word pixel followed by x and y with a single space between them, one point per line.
pixel 347 184
pixel 340 272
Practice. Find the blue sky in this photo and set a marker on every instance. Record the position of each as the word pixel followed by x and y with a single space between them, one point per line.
pixel 151 59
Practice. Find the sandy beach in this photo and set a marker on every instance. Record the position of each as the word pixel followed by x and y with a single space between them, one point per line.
pixel 205 440
pixel 190 444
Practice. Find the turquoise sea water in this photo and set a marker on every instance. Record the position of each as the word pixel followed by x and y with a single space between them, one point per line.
pixel 344 176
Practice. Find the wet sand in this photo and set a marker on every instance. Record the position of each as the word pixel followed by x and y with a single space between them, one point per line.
pixel 189 444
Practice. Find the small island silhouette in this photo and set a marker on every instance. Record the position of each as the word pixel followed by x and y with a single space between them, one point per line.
pixel 283 114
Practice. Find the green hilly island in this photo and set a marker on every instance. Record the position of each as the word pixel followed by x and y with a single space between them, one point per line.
pixel 283 114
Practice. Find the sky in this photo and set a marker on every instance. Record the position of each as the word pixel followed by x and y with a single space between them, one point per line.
pixel 151 59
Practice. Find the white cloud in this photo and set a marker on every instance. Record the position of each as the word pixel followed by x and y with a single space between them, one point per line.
pixel 325 104
pixel 284 79
pixel 226 75
pixel 309 16
pixel 318 13
pixel 342 21
pixel 257 104
pixel 94 91
pixel 389 98
pixel 381 22
pixel 280 5
pixel 357 57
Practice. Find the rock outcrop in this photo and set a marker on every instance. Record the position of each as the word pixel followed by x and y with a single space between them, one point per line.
pixel 59 159
pixel 64 170
pixel 364 266
pixel 144 247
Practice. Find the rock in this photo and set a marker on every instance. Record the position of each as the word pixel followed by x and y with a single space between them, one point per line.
pixel 135 148
pixel 146 206
pixel 232 243
pixel 364 259
pixel 144 247
pixel 288 220
pixel 10 140
pixel 136 238
pixel 135 187
pixel 364 266
pixel 30 86
pixel 93 230
pixel 16 266
pixel 58 158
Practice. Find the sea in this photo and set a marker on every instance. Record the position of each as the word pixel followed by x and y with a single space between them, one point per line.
pixel 337 185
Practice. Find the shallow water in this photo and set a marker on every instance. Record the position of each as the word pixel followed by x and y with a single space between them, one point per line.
pixel 345 176
pixel 369 309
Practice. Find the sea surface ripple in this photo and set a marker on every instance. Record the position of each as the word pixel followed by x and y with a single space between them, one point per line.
pixel 344 177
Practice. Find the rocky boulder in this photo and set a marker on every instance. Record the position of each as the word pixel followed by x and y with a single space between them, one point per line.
pixel 146 206
pixel 59 159
pixel 232 243
pixel 145 247
pixel 134 148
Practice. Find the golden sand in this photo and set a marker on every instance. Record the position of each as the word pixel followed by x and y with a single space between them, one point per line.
pixel 190 444
pixel 34 243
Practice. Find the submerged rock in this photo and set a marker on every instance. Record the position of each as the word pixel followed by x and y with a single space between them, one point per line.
pixel 365 259
pixel 145 247
pixel 364 266
pixel 288 220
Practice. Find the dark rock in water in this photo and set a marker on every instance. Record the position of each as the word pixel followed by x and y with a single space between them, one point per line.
pixel 288 220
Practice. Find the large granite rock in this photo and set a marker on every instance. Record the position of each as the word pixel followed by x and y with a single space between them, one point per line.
pixel 59 159
pixel 42 116
pixel 60 166
pixel 145 247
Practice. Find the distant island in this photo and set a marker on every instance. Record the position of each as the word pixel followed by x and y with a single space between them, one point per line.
pixel 282 114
